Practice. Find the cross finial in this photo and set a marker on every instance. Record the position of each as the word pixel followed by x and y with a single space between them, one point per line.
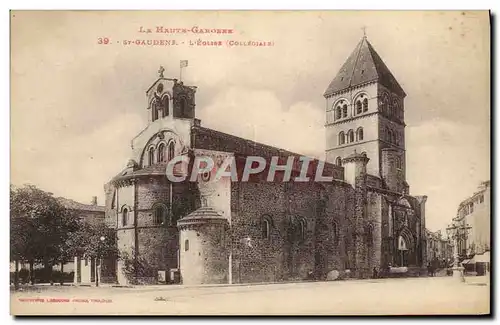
pixel 160 71
pixel 364 31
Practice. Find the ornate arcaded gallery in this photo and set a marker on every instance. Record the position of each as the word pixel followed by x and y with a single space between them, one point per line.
pixel 260 231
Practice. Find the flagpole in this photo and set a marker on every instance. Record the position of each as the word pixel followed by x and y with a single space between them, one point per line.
pixel 183 64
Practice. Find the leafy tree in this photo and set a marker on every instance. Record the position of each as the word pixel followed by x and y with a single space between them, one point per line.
pixel 137 268
pixel 92 241
pixel 40 226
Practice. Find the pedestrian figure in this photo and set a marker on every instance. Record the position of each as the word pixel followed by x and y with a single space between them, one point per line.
pixel 375 273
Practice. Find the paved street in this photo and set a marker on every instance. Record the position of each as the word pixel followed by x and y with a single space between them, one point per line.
pixel 440 295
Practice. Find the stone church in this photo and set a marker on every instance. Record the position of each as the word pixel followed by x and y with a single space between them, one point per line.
pixel 259 231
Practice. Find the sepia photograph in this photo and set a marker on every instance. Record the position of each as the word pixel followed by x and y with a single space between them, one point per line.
pixel 309 163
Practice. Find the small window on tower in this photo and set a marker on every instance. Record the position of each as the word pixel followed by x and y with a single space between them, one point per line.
pixel 184 107
pixel 365 105
pixel 338 113
pixel 398 163
pixel 350 136
pixel 165 104
pixel 389 136
pixel 359 134
pixel 338 161
pixel 359 107
pixel 344 110
pixel 341 138
pixel 155 110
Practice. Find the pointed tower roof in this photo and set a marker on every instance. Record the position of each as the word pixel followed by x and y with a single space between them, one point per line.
pixel 363 65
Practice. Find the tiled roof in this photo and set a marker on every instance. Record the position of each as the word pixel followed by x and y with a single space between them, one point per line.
pixel 153 170
pixel 73 205
pixel 221 141
pixel 363 65
pixel 209 139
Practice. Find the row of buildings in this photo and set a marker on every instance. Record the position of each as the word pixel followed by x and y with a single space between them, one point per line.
pixel 475 211
pixel 439 248
pixel 473 220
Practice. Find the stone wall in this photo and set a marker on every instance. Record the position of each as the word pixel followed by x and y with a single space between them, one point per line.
pixel 285 254
pixel 204 258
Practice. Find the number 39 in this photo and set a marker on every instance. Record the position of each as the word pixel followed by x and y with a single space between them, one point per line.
pixel 101 40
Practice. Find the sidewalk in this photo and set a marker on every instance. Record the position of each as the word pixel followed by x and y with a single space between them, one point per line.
pixel 471 280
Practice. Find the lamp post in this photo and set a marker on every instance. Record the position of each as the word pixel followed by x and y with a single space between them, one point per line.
pixel 457 231
pixel 245 242
pixel 99 243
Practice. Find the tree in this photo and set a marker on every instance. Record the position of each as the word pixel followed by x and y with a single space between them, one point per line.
pixel 86 241
pixel 92 241
pixel 40 227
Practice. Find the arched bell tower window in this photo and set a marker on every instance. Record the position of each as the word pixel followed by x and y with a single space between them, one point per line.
pixel 338 161
pixel 171 150
pixel 338 113
pixel 151 156
pixel 165 101
pixel 341 138
pixel 155 110
pixel 359 134
pixel 365 105
pixel 350 136
pixel 341 108
pixel 161 152
pixel 359 107
pixel 184 106
pixel 384 103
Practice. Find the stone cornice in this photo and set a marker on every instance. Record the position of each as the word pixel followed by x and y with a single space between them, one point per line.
pixel 350 88
pixel 192 223
pixel 363 115
pixel 352 118
pixel 356 143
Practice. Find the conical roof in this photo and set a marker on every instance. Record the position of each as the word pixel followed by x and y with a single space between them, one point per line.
pixel 363 65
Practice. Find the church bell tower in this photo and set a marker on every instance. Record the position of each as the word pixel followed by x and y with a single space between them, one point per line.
pixel 170 98
pixel 365 113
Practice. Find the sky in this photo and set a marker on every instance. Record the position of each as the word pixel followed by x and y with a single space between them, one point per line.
pixel 76 104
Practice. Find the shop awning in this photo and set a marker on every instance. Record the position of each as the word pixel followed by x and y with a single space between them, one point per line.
pixel 483 258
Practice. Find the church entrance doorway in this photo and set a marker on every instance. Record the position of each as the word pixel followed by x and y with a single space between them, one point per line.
pixel 403 251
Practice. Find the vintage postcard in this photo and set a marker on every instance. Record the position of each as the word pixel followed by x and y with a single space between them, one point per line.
pixel 250 163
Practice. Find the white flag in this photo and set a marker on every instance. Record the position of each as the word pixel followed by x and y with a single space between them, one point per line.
pixel 184 63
